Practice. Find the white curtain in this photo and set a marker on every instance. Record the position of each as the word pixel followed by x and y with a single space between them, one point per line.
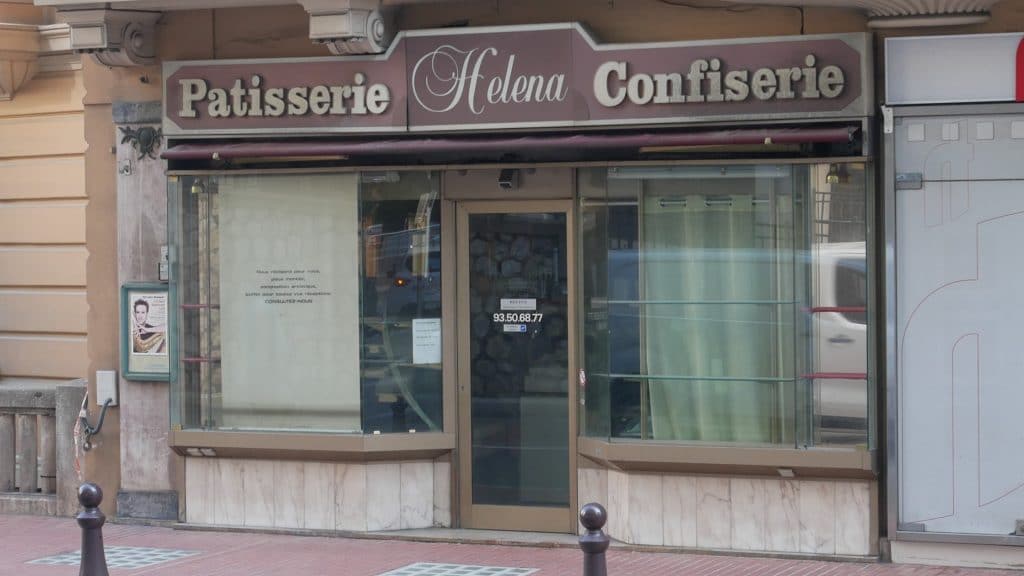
pixel 709 268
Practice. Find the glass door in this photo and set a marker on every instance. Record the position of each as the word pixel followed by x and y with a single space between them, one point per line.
pixel 516 348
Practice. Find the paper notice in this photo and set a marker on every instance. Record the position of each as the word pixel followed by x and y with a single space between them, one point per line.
pixel 426 341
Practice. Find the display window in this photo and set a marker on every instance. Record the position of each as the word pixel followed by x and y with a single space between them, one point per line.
pixel 308 302
pixel 726 304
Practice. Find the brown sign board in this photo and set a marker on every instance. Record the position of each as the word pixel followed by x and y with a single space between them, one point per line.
pixel 551 76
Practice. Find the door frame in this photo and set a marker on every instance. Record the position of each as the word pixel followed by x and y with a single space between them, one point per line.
pixel 495 517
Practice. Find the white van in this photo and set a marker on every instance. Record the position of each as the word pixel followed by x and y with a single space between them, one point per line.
pixel 839 318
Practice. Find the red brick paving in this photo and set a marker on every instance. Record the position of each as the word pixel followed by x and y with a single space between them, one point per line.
pixel 24 538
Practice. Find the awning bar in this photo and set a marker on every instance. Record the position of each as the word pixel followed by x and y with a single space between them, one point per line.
pixel 536 143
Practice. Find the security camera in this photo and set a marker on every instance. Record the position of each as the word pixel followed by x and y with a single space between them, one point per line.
pixel 508 179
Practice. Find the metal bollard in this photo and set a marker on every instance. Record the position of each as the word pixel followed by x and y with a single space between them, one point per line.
pixel 594 542
pixel 94 561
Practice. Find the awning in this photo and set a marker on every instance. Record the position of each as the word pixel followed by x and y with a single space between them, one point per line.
pixel 547 143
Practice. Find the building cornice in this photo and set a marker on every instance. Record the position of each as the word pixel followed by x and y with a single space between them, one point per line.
pixel 121 32
pixel 55 53
pixel 113 37
pixel 27 49
pixel 350 26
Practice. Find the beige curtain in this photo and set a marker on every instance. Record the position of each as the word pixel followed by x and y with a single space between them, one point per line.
pixel 713 337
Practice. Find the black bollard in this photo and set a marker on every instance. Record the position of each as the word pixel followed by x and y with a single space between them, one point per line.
pixel 94 560
pixel 594 542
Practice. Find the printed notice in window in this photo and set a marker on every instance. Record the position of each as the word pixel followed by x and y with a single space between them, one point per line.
pixel 426 341
pixel 289 293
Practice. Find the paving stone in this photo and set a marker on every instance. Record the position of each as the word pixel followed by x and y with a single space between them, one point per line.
pixel 236 553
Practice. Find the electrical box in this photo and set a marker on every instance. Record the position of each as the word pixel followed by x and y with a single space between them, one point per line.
pixel 163 266
pixel 106 387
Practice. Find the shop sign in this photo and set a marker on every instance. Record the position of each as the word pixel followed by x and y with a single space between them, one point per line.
pixel 545 76
pixel 954 69
pixel 291 96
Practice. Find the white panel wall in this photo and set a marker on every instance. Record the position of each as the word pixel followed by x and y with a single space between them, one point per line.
pixel 945 69
pixel 960 320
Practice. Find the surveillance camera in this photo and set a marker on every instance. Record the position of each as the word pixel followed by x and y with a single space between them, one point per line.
pixel 508 179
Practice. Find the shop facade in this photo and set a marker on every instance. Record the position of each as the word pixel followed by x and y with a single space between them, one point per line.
pixel 952 206
pixel 494 273
pixel 520 257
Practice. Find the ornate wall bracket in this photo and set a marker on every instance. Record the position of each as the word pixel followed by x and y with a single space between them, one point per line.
pixel 145 140
pixel 19 52
pixel 350 26
pixel 114 37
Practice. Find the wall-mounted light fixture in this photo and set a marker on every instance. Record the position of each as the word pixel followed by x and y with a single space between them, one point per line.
pixel 833 174
pixel 837 174
pixel 508 178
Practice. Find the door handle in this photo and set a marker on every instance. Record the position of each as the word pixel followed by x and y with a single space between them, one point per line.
pixel 840 339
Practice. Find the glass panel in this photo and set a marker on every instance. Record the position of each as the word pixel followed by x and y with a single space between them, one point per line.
pixel 839 307
pixel 266 291
pixel 518 335
pixel 268 271
pixel 195 239
pixel 725 303
pixel 401 302
pixel 595 416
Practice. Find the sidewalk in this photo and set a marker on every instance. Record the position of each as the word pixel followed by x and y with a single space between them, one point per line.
pixel 28 538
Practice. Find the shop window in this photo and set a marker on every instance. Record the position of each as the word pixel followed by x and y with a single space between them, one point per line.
pixel 299 297
pixel 400 228
pixel 725 304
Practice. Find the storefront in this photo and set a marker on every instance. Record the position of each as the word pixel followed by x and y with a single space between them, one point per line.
pixel 495 273
pixel 954 137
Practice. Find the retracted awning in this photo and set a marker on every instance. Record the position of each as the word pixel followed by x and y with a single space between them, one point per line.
pixel 526 144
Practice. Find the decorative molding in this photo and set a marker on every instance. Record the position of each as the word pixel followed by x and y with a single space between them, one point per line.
pixel 350 26
pixel 19 52
pixel 114 37
pixel 27 49
pixel 55 49
pixel 144 140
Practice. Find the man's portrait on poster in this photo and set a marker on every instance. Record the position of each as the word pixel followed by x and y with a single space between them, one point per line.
pixel 148 324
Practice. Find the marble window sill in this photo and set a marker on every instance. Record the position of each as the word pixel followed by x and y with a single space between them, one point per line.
pixel 301 446
pixel 690 458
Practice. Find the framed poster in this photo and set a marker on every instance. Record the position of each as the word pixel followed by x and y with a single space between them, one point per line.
pixel 145 337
